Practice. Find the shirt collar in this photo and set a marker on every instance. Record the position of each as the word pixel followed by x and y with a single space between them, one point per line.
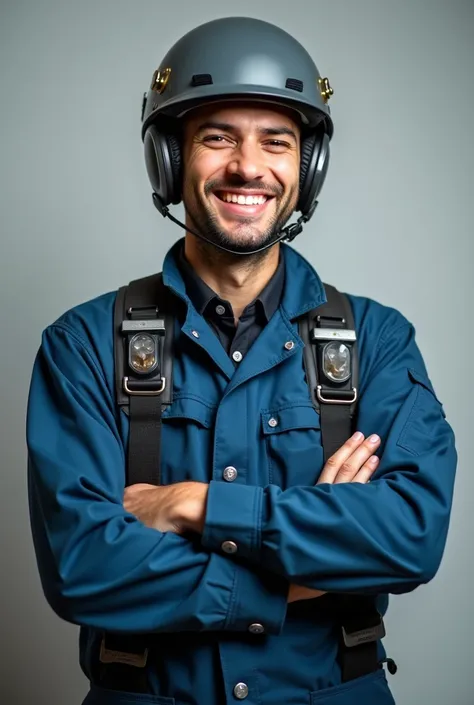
pixel 202 296
pixel 303 290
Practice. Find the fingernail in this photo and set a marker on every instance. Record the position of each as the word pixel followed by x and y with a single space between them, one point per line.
pixel 357 436
pixel 374 439
pixel 374 460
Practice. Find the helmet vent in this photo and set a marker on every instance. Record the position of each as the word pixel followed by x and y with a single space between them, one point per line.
pixel 201 79
pixel 294 84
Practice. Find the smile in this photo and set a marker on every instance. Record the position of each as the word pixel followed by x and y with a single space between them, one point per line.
pixel 241 199
pixel 233 204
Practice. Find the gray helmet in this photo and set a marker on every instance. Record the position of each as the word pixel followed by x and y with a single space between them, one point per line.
pixel 235 58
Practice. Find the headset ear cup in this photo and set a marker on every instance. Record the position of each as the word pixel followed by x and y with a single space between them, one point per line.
pixel 163 164
pixel 313 168
pixel 174 148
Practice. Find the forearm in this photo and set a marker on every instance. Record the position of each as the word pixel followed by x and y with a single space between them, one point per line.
pixel 99 565
pixel 344 538
pixel 386 536
pixel 111 572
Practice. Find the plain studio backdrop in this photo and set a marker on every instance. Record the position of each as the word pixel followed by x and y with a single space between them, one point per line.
pixel 394 223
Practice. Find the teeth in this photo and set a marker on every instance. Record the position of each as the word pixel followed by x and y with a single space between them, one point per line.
pixel 243 200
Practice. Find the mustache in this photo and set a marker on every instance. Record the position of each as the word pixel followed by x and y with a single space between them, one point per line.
pixel 218 185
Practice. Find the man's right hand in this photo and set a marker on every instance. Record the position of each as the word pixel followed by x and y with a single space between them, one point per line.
pixel 353 462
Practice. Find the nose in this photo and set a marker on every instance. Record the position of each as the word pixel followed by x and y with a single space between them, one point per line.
pixel 247 161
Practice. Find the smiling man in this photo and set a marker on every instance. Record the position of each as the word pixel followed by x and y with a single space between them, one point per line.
pixel 242 173
pixel 217 497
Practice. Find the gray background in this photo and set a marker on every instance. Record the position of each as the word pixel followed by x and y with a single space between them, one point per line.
pixel 395 223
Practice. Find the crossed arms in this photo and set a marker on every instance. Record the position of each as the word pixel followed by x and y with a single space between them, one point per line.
pixel 103 563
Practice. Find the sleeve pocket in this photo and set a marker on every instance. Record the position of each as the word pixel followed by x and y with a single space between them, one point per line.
pixel 426 419
pixel 421 378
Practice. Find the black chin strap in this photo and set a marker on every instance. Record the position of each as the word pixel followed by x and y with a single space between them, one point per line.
pixel 288 234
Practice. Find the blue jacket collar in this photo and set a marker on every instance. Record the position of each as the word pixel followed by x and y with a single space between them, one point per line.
pixel 302 292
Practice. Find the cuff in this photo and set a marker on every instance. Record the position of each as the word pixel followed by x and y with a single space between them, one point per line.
pixel 259 602
pixel 233 520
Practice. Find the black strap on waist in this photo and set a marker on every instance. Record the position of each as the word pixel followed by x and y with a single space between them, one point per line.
pixel 123 660
pixel 361 628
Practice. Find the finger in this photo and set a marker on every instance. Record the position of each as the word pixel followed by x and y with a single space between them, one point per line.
pixel 351 467
pixel 130 489
pixel 334 463
pixel 367 470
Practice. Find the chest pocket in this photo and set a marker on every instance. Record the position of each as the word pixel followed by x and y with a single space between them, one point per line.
pixel 187 440
pixel 292 436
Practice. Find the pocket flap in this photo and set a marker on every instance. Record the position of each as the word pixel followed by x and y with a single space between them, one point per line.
pixel 190 408
pixel 422 378
pixel 288 418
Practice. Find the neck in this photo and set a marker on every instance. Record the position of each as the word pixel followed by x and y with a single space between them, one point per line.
pixel 237 279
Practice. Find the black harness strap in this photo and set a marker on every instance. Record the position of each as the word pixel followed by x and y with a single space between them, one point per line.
pixel 361 628
pixel 336 402
pixel 360 622
pixel 123 659
pixel 145 304
pixel 144 397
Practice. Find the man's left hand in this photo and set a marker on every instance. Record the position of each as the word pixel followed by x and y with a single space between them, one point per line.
pixel 178 508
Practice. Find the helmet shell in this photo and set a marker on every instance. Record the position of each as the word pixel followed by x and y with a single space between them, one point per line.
pixel 237 58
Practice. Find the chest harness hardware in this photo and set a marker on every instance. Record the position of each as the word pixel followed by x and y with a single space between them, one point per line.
pixel 143 349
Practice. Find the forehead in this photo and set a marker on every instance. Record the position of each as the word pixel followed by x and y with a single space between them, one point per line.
pixel 243 115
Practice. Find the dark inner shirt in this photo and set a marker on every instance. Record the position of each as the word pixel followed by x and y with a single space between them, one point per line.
pixel 218 313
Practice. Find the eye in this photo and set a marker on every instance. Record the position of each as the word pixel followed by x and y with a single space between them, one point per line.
pixel 278 145
pixel 216 140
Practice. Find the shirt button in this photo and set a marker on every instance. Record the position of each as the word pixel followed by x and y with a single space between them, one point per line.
pixel 256 628
pixel 237 356
pixel 229 547
pixel 241 691
pixel 230 473
pixel 195 333
pixel 289 345
pixel 272 422
pixel 220 310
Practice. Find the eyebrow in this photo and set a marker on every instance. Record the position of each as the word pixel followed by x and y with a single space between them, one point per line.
pixel 228 127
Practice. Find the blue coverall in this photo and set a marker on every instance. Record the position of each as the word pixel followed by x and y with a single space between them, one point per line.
pixel 102 569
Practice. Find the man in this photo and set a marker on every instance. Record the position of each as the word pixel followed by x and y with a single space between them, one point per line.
pixel 231 577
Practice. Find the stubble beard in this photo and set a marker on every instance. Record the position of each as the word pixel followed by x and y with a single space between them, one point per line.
pixel 206 222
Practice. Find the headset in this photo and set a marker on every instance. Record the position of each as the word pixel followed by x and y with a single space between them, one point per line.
pixel 164 167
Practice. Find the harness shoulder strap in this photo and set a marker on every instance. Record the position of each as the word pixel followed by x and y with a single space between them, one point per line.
pixel 143 359
pixel 332 372
pixel 331 366
pixel 143 335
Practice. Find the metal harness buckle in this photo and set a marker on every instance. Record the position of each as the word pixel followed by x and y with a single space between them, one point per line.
pixel 325 400
pixel 364 636
pixel 144 392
